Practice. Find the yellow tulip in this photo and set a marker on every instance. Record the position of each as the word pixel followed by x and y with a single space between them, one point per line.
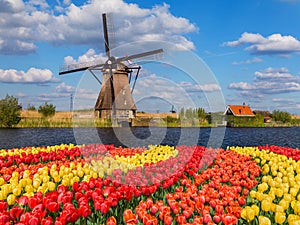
pixel 293 219
pixel 294 191
pixel 253 194
pixel 29 189
pixel 80 173
pixel 259 196
pixel 279 208
pixel 248 214
pixel 287 197
pixel 279 192
pixel 280 217
pixel 36 183
pixel 256 209
pixel 265 205
pixel 2 195
pixel 262 187
pixel 262 220
pixel 11 199
pixel 51 186
pixel 296 207
pixel 17 191
pixel 285 204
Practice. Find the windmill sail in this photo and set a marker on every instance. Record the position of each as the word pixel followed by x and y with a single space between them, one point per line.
pixel 115 99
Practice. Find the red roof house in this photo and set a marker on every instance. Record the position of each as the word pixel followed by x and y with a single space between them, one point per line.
pixel 239 110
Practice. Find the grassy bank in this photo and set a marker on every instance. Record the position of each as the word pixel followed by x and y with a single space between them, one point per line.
pixel 32 119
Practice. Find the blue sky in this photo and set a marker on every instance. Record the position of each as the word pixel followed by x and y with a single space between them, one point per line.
pixel 215 52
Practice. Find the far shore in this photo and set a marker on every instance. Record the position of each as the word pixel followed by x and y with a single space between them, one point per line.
pixel 33 119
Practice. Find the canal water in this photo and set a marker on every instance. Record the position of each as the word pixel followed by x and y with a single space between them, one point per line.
pixel 143 136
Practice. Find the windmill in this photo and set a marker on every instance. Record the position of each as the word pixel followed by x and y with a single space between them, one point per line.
pixel 115 99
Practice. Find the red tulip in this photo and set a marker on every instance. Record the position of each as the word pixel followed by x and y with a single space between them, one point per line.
pixel 15 212
pixel 104 207
pixel 207 218
pixel 53 207
pixel 85 211
pixel 219 209
pixel 149 202
pixel 23 200
pixel 47 221
pixel 3 206
pixel 181 219
pixel 33 221
pixel 217 218
pixel 168 220
pixel 4 219
pixel 154 209
pixel 241 201
pixel 32 202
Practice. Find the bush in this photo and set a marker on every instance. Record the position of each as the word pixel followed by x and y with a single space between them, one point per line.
pixel 280 116
pixel 47 110
pixel 10 112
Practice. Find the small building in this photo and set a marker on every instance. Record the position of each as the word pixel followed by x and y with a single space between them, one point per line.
pixel 239 110
pixel 238 115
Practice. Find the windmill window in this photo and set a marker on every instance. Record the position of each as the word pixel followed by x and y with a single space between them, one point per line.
pixel 125 103
pixel 124 92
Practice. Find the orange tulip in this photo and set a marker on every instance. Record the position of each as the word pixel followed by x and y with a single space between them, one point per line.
pixel 130 217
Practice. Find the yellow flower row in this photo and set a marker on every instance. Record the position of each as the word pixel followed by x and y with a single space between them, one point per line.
pixel 279 188
pixel 153 154
pixel 47 179
pixel 44 180
pixel 107 165
pixel 34 150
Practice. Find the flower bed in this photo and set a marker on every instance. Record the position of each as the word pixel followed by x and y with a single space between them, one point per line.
pixel 104 184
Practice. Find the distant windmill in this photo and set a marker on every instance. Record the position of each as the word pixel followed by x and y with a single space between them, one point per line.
pixel 115 98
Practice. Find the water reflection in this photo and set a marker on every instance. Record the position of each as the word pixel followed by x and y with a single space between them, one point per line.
pixel 143 136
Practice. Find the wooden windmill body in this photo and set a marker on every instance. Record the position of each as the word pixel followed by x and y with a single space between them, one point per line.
pixel 115 98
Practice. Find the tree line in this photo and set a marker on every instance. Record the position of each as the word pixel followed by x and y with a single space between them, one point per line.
pixel 10 111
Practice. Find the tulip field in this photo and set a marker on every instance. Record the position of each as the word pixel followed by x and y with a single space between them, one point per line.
pixel 102 184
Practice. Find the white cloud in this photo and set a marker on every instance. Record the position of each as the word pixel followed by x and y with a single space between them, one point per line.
pixel 281 74
pixel 196 87
pixel 51 96
pixel 67 24
pixel 241 86
pixel 21 95
pixel 268 81
pixel 273 44
pixel 89 56
pixel 283 100
pixel 33 75
pixel 64 88
pixel 249 61
pixel 11 6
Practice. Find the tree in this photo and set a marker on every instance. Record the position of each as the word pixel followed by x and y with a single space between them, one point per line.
pixel 47 109
pixel 201 113
pixel 281 116
pixel 31 107
pixel 10 111
pixel 181 113
pixel 189 113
